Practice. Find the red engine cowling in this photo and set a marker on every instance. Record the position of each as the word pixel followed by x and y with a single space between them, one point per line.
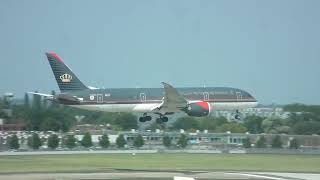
pixel 198 109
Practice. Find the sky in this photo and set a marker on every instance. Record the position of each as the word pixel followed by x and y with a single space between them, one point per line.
pixel 270 48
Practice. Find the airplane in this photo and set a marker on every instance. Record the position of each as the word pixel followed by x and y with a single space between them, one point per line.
pixel 194 101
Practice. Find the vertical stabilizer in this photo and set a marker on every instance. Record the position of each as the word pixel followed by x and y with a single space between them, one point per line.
pixel 66 79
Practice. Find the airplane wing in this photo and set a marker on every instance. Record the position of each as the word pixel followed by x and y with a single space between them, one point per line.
pixel 172 95
pixel 172 100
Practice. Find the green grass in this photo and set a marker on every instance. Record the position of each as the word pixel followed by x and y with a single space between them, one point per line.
pixel 105 162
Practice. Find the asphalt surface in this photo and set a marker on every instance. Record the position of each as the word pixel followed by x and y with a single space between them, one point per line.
pixel 163 176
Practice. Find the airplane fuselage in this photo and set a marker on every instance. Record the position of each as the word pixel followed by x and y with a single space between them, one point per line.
pixel 146 99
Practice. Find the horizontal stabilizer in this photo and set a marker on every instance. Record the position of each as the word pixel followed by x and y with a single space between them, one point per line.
pixel 41 94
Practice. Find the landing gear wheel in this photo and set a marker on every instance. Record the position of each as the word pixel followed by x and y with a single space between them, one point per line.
pixel 148 118
pixel 237 116
pixel 165 119
pixel 162 120
pixel 142 119
pixel 145 118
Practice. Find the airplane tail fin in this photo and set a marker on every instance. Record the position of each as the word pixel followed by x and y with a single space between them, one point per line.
pixel 66 79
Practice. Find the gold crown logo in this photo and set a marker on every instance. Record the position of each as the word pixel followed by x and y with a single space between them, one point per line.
pixel 66 78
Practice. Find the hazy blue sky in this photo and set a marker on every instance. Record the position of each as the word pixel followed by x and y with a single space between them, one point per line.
pixel 270 48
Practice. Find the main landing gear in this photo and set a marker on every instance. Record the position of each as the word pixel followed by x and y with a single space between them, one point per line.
pixel 145 118
pixel 162 119
pixel 237 115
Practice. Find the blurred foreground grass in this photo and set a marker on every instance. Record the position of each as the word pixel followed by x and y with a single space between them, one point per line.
pixel 106 162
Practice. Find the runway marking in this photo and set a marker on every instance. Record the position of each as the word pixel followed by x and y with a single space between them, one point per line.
pixel 257 176
pixel 182 178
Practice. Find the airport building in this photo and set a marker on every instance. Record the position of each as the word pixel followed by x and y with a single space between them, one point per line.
pixel 259 111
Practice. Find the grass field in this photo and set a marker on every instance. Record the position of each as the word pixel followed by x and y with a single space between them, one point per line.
pixel 106 162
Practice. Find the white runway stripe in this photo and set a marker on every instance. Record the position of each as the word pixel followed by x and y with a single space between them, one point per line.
pixel 257 176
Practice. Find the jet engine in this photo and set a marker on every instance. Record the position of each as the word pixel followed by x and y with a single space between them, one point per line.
pixel 198 109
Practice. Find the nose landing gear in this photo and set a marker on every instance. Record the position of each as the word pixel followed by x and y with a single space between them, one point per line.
pixel 237 115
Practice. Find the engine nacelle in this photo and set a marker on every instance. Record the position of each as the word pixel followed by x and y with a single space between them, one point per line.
pixel 198 109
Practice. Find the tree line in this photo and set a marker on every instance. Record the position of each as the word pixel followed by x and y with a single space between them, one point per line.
pixel 43 115
pixel 70 141
pixel 275 143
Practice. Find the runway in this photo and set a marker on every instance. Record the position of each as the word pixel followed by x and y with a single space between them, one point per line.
pixel 147 175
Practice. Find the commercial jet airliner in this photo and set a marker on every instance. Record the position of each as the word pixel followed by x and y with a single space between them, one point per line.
pixel 194 101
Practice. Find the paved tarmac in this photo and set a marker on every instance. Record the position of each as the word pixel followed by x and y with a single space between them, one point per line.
pixel 131 175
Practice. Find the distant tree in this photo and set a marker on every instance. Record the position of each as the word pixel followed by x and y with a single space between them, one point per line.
pixel 246 143
pixel 1 103
pixel 50 123
pixel 44 103
pixel 306 127
pixel 36 102
pixel 166 141
pixel 232 127
pixel 56 119
pixel 3 114
pixel 86 140
pixel 53 93
pixel 104 141
pixel 211 123
pixel 283 129
pixel 120 141
pixel 105 118
pixel 294 144
pixel 298 108
pixel 262 142
pixel 26 100
pixel 138 141
pixel 186 123
pixel 182 141
pixel 275 125
pixel 13 142
pixel 53 104
pixel 253 124
pixel 70 141
pixel 126 121
pixel 53 141
pixel 276 142
pixel 154 125
pixel 34 141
